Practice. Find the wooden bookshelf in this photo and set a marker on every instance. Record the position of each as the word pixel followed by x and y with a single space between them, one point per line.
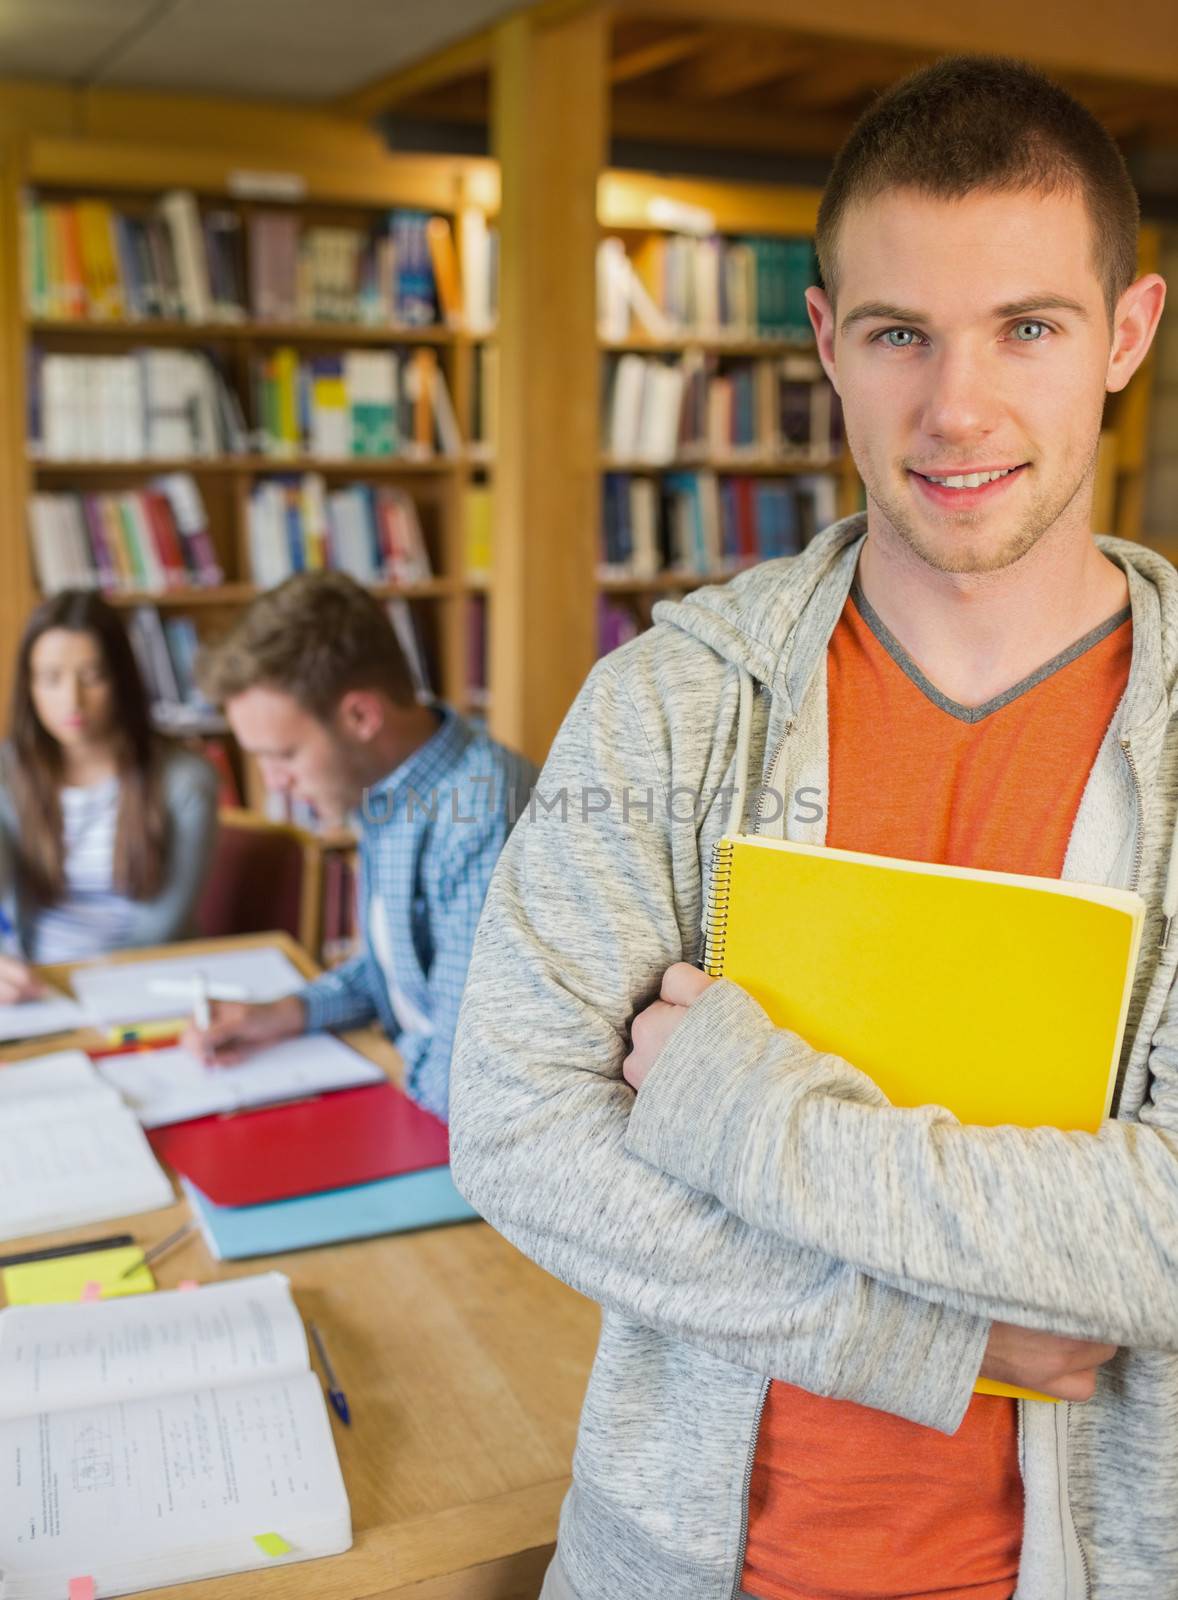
pixel 132 173
pixel 553 200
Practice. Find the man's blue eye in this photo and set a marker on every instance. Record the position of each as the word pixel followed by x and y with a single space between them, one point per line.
pixel 1025 331
pixel 907 335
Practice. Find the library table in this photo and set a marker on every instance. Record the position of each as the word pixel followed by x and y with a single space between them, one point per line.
pixel 464 1366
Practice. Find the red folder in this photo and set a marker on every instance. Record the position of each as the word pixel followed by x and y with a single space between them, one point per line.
pixel 330 1142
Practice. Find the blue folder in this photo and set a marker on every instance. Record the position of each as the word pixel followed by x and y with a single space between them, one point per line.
pixel 392 1205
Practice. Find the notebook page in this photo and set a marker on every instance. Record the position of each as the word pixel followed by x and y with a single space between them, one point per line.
pixel 56 1356
pixel 61 1073
pixel 64 1162
pixel 160 1490
pixel 122 992
pixel 173 1085
pixel 32 1019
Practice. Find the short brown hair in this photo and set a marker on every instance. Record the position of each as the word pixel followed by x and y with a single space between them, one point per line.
pixel 316 636
pixel 986 122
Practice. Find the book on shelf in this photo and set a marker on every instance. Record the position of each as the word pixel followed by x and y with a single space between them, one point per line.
pixel 701 524
pixel 484 421
pixel 166 652
pixel 477 693
pixel 617 624
pixel 373 533
pixel 682 285
pixel 183 259
pixel 146 540
pixel 151 403
pixel 408 631
pixel 477 526
pixel 478 251
pixel 763 408
pixel 153 1439
pixel 353 405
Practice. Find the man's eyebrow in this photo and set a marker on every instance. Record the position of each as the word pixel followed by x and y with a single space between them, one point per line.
pixel 880 310
pixel 1042 302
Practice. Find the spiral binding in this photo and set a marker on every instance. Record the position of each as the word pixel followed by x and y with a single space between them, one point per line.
pixel 716 909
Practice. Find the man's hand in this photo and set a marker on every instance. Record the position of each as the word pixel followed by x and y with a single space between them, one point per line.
pixel 235 1030
pixel 650 1030
pixel 18 982
pixel 1065 1368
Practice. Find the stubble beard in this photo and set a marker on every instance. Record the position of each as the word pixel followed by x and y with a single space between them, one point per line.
pixel 986 552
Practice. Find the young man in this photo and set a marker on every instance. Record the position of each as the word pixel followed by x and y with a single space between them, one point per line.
pixel 315 686
pixel 801 1284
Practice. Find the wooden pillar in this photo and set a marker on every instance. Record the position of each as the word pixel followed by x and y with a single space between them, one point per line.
pixel 549 118
pixel 16 584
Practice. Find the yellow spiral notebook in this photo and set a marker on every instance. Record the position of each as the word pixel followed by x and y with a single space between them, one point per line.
pixel 998 996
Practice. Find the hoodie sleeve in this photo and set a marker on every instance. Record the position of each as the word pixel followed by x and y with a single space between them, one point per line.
pixel 1072 1233
pixel 580 923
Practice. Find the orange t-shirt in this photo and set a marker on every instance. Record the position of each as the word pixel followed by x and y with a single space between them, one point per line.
pixel 847 1503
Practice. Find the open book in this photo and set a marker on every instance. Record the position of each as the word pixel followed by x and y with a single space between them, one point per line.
pixel 112 992
pixel 161 1438
pixel 70 1150
pixel 173 1085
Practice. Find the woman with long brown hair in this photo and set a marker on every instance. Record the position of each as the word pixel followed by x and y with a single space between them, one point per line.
pixel 105 826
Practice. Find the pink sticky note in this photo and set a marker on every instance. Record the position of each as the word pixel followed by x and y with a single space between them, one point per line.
pixel 91 1291
pixel 188 1283
pixel 81 1589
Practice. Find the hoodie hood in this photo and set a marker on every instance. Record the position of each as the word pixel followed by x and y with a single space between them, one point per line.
pixel 774 620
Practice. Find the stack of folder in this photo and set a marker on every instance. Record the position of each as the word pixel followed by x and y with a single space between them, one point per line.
pixel 346 1165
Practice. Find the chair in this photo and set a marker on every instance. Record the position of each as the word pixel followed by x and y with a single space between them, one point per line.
pixel 264 876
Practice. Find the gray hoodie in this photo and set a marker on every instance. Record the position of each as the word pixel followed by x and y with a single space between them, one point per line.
pixel 760 1211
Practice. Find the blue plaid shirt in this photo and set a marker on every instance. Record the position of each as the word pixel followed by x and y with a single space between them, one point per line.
pixel 430 834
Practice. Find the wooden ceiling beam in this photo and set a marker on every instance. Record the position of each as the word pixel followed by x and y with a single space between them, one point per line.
pixel 659 53
pixel 738 64
pixel 730 128
pixel 1075 39
pixel 847 77
pixel 457 60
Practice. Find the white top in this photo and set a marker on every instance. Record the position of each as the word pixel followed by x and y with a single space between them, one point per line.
pixel 91 917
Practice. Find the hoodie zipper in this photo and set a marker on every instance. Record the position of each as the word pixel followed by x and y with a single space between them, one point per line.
pixel 1138 842
pixel 744 1493
pixel 1067 1417
pixel 766 789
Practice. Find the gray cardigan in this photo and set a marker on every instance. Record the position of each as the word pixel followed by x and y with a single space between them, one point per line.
pixel 190 795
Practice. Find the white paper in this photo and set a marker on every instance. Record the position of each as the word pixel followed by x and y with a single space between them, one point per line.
pixel 33 1019
pixel 63 1072
pixel 56 1356
pixel 165 1086
pixel 160 1490
pixel 121 992
pixel 70 1151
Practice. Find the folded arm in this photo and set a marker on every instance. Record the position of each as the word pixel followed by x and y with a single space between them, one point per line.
pixel 581 920
pixel 1072 1233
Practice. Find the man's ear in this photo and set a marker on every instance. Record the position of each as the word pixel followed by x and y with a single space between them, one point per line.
pixel 822 320
pixel 1135 322
pixel 360 715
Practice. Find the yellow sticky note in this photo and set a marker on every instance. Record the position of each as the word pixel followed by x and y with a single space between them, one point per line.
pixel 37 1283
pixel 272 1544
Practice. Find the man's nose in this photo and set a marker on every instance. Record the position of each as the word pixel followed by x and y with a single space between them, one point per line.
pixel 960 401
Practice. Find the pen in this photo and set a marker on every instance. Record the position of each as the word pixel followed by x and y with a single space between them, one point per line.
pixel 57 1251
pixel 157 1250
pixel 200 1007
pixel 334 1393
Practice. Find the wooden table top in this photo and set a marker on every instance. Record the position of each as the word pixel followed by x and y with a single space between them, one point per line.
pixel 464 1366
